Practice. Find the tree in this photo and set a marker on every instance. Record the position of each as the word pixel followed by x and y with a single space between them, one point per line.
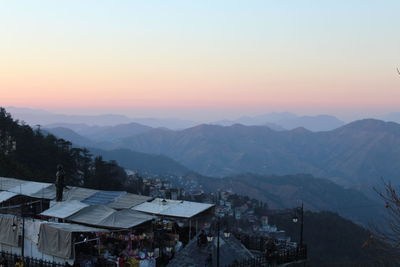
pixel 387 236
pixel 32 155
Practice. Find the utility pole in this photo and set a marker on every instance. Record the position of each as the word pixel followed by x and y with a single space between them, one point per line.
pixel 301 224
pixel 23 232
pixel 218 229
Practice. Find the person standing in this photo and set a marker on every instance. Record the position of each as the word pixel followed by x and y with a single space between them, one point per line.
pixel 60 177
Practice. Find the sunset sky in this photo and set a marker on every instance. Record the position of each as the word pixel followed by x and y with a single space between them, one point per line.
pixel 201 58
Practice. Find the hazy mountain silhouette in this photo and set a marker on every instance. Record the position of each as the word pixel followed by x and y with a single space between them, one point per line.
pixel 70 135
pixel 286 120
pixel 394 117
pixel 104 133
pixel 357 153
pixel 142 162
pixel 34 117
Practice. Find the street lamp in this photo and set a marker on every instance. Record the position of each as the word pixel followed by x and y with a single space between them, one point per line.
pixel 209 238
pixel 227 234
pixel 14 227
pixel 296 219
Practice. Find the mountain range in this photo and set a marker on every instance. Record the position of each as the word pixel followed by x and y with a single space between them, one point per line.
pixel 288 121
pixel 238 148
pixel 35 117
pixel 275 120
pixel 357 153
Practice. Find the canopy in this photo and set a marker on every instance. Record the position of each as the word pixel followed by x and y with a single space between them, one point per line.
pixel 7 183
pixel 77 193
pixel 125 219
pixel 30 188
pixel 5 195
pixel 92 215
pixel 64 209
pixel 56 238
pixel 103 197
pixel 128 200
pixel 173 208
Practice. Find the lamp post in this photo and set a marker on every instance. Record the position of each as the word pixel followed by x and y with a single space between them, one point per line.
pixel 23 232
pixel 210 238
pixel 218 229
pixel 296 219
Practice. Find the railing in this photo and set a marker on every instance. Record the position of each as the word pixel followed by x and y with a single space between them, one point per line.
pixel 252 242
pixel 273 259
pixel 13 258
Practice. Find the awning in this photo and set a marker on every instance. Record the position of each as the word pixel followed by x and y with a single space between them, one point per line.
pixel 64 209
pixel 5 195
pixel 77 193
pixel 7 183
pixel 125 219
pixel 128 200
pixel 103 197
pixel 173 208
pixel 91 215
pixel 56 238
pixel 48 192
pixel 30 188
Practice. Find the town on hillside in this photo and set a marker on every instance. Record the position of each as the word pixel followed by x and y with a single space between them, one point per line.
pixel 54 224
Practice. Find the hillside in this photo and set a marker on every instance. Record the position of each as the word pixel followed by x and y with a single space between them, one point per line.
pixel 149 164
pixel 29 154
pixel 146 164
pixel 333 241
pixel 357 153
pixel 102 133
pixel 330 238
pixel 282 192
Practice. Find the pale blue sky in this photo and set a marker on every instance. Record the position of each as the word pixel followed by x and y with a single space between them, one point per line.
pixel 232 56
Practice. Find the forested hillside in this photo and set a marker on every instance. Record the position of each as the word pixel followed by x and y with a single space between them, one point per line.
pixel 29 154
pixel 356 154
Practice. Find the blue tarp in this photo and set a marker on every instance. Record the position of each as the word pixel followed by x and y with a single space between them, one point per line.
pixel 103 197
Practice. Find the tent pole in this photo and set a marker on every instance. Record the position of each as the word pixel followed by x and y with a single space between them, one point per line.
pixel 190 229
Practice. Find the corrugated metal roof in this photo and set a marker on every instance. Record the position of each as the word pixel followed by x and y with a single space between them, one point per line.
pixel 77 193
pixel 29 188
pixel 5 195
pixel 64 209
pixel 125 219
pixel 103 197
pixel 186 209
pixel 74 228
pixel 48 192
pixel 92 215
pixel 128 200
pixel 8 183
pixel 173 208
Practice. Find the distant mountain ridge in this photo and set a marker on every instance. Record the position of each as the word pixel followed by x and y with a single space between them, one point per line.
pixel 145 163
pixel 357 153
pixel 288 121
pixel 40 117
pixel 103 133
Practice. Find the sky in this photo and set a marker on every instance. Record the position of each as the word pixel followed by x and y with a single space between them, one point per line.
pixel 201 59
